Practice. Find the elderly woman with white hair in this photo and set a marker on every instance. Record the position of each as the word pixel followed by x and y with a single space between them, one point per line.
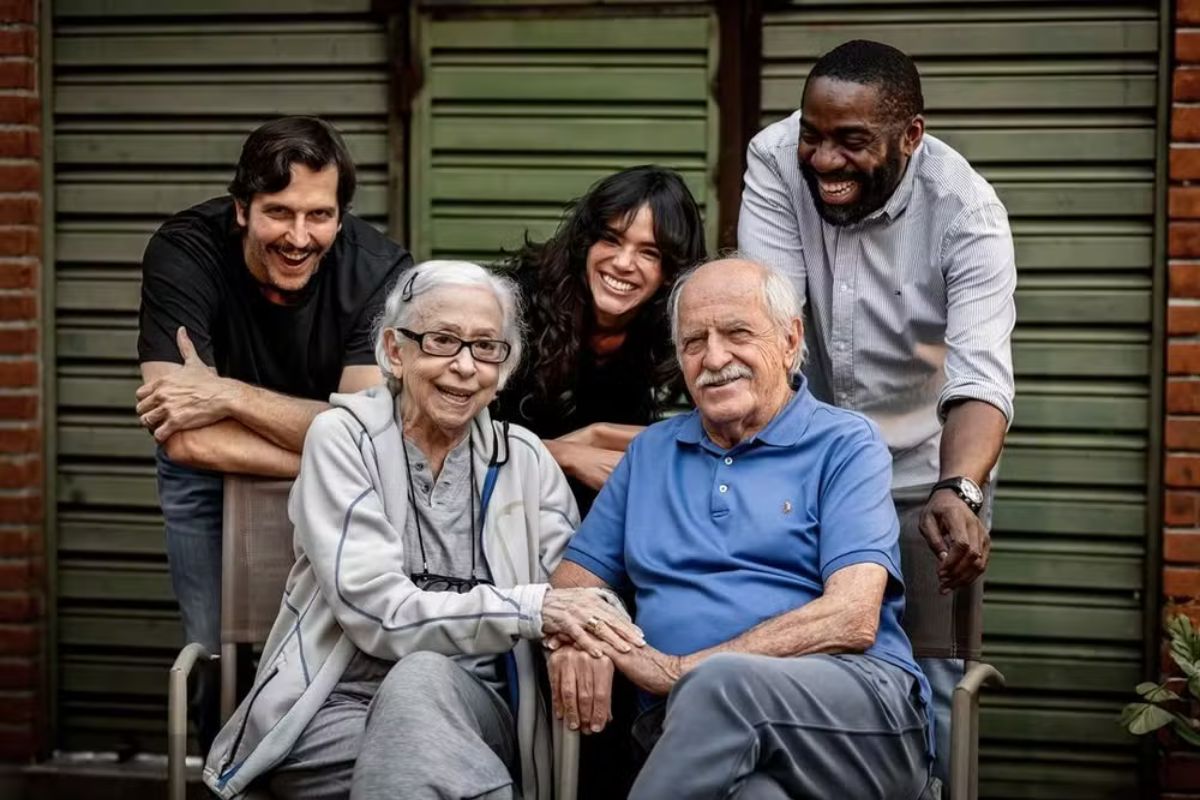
pixel 401 662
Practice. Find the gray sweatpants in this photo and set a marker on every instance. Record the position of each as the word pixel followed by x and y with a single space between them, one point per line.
pixel 430 729
pixel 815 727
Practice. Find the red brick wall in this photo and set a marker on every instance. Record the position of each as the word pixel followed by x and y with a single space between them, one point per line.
pixel 22 723
pixel 1179 775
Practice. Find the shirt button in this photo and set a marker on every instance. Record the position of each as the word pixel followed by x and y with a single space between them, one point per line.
pixel 842 346
pixel 842 396
pixel 728 460
pixel 845 287
pixel 723 488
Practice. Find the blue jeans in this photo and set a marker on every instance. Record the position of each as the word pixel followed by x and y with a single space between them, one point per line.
pixel 192 502
pixel 943 674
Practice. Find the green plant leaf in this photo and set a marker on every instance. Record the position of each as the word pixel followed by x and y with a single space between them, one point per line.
pixel 1159 693
pixel 1185 644
pixel 1184 730
pixel 1143 718
pixel 1186 665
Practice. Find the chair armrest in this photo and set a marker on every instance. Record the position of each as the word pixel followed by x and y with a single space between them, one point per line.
pixel 566 761
pixel 177 717
pixel 976 676
pixel 964 728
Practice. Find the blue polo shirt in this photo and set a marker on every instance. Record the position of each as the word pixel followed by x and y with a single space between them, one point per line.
pixel 715 541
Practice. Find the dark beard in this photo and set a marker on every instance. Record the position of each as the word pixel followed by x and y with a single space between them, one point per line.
pixel 875 188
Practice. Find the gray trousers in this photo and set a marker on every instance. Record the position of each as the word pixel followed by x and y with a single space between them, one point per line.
pixel 815 727
pixel 430 729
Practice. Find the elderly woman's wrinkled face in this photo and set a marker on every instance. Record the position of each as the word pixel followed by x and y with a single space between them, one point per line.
pixel 446 392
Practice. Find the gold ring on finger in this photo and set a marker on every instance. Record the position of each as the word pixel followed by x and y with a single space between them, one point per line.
pixel 593 624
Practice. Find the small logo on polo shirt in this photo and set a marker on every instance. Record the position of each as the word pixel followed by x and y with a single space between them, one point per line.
pixel 787 506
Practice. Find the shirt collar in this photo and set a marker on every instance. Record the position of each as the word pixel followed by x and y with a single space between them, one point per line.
pixel 898 202
pixel 785 429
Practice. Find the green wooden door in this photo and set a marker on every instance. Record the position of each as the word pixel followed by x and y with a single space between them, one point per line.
pixel 151 103
pixel 1055 103
pixel 518 115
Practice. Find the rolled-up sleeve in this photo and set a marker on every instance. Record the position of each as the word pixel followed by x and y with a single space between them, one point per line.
pixel 981 277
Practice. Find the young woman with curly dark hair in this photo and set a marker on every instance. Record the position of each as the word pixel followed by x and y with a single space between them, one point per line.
pixel 600 361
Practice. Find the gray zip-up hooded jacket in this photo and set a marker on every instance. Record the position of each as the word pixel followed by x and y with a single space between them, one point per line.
pixel 348 590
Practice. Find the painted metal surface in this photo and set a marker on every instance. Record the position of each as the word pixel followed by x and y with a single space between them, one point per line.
pixel 517 116
pixel 151 104
pixel 1057 105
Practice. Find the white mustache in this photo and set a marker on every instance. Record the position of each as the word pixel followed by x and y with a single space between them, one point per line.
pixel 724 375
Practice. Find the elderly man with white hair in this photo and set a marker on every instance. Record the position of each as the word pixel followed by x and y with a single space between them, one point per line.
pixel 759 535
pixel 425 532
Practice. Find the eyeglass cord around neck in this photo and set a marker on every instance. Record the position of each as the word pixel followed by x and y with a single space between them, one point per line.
pixel 412 504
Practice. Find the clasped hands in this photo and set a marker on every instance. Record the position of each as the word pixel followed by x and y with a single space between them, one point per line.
pixel 590 636
pixel 192 396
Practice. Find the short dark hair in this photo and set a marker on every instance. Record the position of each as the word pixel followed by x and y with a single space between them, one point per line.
pixel 875 64
pixel 270 151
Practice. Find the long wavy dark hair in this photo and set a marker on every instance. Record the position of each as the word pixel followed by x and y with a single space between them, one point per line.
pixel 560 313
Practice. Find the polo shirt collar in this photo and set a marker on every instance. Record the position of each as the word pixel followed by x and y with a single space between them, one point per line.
pixel 898 202
pixel 784 430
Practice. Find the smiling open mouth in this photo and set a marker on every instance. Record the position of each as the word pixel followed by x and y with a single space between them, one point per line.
pixel 456 396
pixel 618 286
pixel 838 190
pixel 294 258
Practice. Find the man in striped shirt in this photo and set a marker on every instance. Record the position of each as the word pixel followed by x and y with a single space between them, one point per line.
pixel 904 256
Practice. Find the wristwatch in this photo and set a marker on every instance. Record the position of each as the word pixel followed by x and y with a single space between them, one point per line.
pixel 967 490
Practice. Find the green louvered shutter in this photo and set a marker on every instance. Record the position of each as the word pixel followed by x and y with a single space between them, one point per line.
pixel 519 114
pixel 1055 103
pixel 151 103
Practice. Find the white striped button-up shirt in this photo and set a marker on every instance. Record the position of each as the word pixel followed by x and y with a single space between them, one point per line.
pixel 908 310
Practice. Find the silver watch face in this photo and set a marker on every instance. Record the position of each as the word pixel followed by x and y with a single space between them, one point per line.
pixel 971 491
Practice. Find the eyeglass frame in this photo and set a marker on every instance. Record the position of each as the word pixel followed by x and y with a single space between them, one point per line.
pixel 419 338
pixel 424 580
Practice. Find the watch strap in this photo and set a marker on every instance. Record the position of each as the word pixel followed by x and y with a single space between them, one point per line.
pixel 955 485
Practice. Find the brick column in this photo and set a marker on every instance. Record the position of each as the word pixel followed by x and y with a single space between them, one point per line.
pixel 22 724
pixel 1181 504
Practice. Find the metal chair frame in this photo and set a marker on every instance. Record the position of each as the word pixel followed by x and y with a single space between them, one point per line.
pixel 244 489
pixel 964 711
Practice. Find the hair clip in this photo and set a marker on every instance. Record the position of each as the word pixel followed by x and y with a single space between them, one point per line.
pixel 406 293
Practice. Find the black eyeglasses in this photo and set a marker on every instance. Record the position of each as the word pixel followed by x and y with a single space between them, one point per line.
pixel 432 582
pixel 447 345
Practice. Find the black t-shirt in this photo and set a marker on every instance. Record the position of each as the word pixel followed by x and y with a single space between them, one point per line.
pixel 194 275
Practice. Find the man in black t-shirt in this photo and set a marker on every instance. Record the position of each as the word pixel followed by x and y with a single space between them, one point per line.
pixel 255 307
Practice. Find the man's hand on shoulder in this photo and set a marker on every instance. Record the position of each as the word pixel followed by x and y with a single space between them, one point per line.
pixel 183 398
pixel 957 536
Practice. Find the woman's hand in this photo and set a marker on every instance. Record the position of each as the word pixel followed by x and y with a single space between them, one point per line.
pixel 589 465
pixel 586 617
pixel 604 435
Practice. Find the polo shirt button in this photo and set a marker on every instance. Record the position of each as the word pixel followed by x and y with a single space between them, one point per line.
pixel 728 460
pixel 841 346
pixel 723 488
pixel 845 287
